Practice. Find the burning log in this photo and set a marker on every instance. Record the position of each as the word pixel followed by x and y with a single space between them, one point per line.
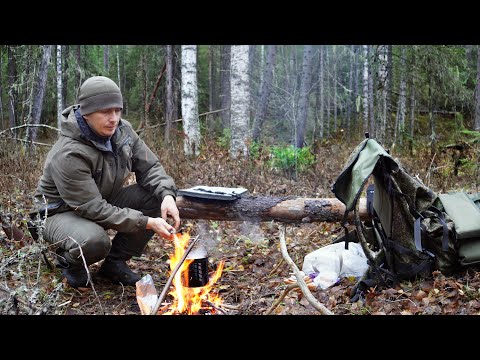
pixel 290 209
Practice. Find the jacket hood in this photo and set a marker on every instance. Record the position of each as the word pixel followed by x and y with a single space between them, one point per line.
pixel 69 126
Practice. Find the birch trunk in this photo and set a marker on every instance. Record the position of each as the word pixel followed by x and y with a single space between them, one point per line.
pixel 191 126
pixel 322 92
pixel 365 89
pixel 382 95
pixel 327 92
pixel 240 100
pixel 335 107
pixel 371 109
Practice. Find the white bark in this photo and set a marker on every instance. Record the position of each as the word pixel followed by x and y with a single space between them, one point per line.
pixel 240 100
pixel 335 89
pixel 59 85
pixel 322 96
pixel 365 88
pixel 191 125
pixel 382 96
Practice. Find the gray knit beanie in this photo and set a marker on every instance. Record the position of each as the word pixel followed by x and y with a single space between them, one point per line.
pixel 98 93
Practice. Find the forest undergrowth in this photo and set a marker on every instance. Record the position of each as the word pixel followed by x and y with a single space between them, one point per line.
pixel 255 273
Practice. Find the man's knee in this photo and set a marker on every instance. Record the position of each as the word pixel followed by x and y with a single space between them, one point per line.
pixel 93 249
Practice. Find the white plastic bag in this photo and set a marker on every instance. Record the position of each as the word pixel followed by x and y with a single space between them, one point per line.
pixel 146 294
pixel 332 262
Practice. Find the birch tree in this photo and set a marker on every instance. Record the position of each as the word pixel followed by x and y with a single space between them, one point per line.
pixel 382 94
pixel 240 100
pixel 59 85
pixel 365 88
pixel 191 126
pixel 371 109
pixel 335 106
pixel 211 88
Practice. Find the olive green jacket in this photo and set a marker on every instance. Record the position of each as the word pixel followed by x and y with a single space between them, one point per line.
pixel 82 175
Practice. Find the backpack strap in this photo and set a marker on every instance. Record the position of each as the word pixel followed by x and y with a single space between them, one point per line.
pixel 344 224
pixel 441 218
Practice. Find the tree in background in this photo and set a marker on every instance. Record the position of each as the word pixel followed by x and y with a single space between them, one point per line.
pixel 191 126
pixel 240 101
pixel 39 91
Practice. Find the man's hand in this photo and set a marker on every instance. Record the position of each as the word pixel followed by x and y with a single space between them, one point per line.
pixel 161 227
pixel 169 207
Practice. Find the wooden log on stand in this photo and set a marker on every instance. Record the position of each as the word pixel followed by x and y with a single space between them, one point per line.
pixel 289 209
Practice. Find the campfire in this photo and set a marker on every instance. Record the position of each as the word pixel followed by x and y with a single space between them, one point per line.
pixel 188 297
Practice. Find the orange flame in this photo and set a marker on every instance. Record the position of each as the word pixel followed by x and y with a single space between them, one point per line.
pixel 190 300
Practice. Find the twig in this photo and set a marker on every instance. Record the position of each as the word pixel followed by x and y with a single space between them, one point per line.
pixel 89 279
pixel 29 125
pixel 29 141
pixel 276 267
pixel 300 280
pixel 282 296
pixel 17 299
pixel 206 113
pixel 172 275
pixel 209 303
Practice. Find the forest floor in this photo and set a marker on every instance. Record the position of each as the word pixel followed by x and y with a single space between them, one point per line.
pixel 255 277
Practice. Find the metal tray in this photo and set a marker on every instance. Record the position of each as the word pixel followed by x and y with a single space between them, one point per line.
pixel 213 192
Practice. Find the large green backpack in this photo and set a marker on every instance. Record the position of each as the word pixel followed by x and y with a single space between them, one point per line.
pixel 410 230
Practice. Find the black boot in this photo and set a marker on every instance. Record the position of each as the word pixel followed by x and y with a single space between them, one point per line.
pixel 118 271
pixel 76 277
pixel 124 246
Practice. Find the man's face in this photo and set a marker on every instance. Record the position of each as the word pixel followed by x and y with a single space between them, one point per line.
pixel 104 122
